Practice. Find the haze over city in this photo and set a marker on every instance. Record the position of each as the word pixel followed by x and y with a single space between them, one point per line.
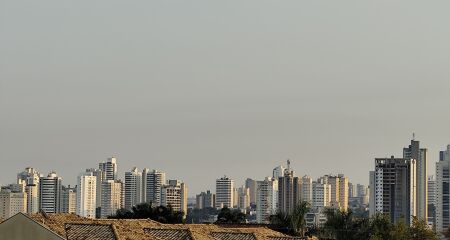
pixel 206 89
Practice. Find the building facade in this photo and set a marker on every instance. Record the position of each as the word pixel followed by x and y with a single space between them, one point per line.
pixel 205 200
pixel 50 188
pixel 155 180
pixel 111 197
pixel 224 192
pixel 442 191
pixel 12 203
pixel 87 195
pixel 267 199
pixel 133 188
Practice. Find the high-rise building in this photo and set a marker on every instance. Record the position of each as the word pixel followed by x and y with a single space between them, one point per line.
pixel 133 188
pixel 224 192
pixel 145 173
pixel 174 194
pixel 111 197
pixel 394 188
pixel 267 199
pixel 87 195
pixel 100 177
pixel 431 200
pixel 243 201
pixel 251 185
pixel 31 179
pixel 110 168
pixel 442 191
pixel 307 189
pixel 12 203
pixel 289 190
pixel 413 151
pixel 50 193
pixel 352 192
pixel 155 180
pixel 321 195
pixel 339 191
pixel 205 200
pixel 361 190
pixel 278 172
pixel 69 199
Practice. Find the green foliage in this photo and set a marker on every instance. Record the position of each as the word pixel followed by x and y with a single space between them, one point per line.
pixel 342 226
pixel 146 210
pixel 227 215
pixel 294 222
pixel 201 215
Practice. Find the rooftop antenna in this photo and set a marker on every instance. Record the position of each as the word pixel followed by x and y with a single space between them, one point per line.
pixel 289 164
pixel 414 137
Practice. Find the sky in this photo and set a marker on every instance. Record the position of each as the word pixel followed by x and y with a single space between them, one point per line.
pixel 203 89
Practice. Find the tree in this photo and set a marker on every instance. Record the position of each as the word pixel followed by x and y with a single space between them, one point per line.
pixel 294 222
pixel 146 210
pixel 419 230
pixel 227 215
pixel 339 224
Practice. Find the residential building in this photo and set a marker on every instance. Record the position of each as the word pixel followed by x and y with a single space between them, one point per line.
pixel 110 168
pixel 413 151
pixel 133 188
pixel 352 192
pixel 205 200
pixel 50 193
pixel 155 180
pixel 442 191
pixel 278 172
pixel 87 195
pixel 243 201
pixel 431 200
pixel 100 177
pixel 224 192
pixel 145 173
pixel 267 199
pixel 69 199
pixel 289 190
pixel 174 194
pixel 31 178
pixel 321 195
pixel 111 197
pixel 307 189
pixel 12 203
pixel 394 188
pixel 252 186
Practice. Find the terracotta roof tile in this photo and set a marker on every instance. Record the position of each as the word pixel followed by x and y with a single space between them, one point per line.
pixel 80 231
pixel 169 234
pixel 233 236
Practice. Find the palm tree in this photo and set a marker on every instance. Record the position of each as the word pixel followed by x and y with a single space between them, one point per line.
pixel 293 222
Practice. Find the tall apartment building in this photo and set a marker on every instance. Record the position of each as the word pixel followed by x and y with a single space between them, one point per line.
pixel 111 197
pixel 12 203
pixel 69 199
pixel 267 199
pixel 289 190
pixel 442 192
pixel 224 192
pixel 50 193
pixel 278 172
pixel 87 195
pixel 100 177
pixel 110 168
pixel 155 180
pixel 145 173
pixel 352 190
pixel 307 189
pixel 339 191
pixel 413 151
pixel 243 199
pixel 252 186
pixel 174 194
pixel 31 179
pixel 205 200
pixel 431 200
pixel 133 188
pixel 394 188
pixel 321 195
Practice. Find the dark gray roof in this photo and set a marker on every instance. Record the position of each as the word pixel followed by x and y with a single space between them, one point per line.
pixel 169 234
pixel 75 231
pixel 233 236
pixel 286 238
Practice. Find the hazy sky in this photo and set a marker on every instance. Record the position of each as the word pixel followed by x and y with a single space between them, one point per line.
pixel 200 89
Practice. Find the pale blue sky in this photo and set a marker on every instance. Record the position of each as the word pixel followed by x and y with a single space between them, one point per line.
pixel 200 89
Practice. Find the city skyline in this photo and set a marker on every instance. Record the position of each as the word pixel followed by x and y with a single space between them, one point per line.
pixel 185 87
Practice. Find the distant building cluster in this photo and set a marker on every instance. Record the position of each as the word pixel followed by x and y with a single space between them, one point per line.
pixel 99 192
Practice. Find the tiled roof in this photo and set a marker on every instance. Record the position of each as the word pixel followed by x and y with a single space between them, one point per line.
pixel 233 236
pixel 169 234
pixel 286 238
pixel 133 229
pixel 80 231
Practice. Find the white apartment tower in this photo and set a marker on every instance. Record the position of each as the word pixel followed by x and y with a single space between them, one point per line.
pixel 12 203
pixel 100 177
pixel 50 193
pixel 87 195
pixel 111 197
pixel 133 188
pixel 205 200
pixel 31 179
pixel 174 194
pixel 224 192
pixel 243 201
pixel 155 180
pixel 442 191
pixel 321 195
pixel 68 200
pixel 267 199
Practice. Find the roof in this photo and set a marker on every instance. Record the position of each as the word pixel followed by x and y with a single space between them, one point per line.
pixel 75 227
